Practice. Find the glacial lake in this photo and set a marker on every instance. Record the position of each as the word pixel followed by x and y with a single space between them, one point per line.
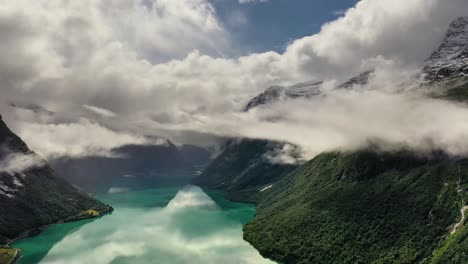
pixel 161 225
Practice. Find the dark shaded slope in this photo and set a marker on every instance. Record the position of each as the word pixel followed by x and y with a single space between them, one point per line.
pixel 242 169
pixel 197 156
pixel 36 196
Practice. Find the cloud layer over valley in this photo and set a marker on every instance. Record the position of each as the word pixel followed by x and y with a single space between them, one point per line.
pixel 107 73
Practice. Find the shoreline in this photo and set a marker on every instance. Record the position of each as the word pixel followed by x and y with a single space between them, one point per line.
pixel 38 230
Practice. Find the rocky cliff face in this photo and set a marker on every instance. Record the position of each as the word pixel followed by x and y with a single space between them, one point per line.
pixel 31 193
pixel 451 58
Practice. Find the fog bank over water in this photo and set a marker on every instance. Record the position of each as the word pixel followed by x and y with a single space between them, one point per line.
pixel 192 228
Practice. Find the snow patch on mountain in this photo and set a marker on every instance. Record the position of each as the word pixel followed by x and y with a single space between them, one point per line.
pixel 12 168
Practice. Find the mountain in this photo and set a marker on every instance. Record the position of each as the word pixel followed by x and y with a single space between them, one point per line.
pixel 31 193
pixel 197 156
pixel 365 207
pixel 302 90
pixel 243 169
pixel 373 207
pixel 361 79
pixel 130 161
pixel 451 58
pixel 447 66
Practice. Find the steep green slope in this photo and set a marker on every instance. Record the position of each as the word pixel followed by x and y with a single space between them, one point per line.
pixel 361 208
pixel 33 196
pixel 243 170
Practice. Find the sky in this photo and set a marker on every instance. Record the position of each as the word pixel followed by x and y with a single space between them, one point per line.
pixel 79 78
pixel 261 26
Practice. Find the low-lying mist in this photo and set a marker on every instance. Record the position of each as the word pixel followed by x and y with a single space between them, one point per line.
pixel 347 120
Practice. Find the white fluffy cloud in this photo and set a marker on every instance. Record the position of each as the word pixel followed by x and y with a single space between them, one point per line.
pixel 149 66
pixel 100 111
pixel 78 139
pixel 19 162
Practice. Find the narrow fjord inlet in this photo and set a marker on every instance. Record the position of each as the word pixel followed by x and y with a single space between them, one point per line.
pixel 164 225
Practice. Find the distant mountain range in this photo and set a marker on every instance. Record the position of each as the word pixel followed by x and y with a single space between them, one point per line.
pixel 242 169
pixel 99 174
pixel 196 155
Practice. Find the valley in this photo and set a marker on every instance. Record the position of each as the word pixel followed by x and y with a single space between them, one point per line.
pixel 234 132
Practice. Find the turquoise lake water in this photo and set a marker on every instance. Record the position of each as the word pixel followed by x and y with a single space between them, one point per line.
pixel 161 225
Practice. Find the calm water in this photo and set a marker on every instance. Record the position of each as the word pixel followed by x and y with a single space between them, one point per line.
pixel 162 225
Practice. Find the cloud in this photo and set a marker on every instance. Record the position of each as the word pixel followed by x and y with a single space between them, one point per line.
pixel 389 114
pixel 100 111
pixel 78 139
pixel 172 234
pixel 285 154
pixel 191 197
pixel 158 66
pixel 14 164
pixel 389 30
pixel 18 162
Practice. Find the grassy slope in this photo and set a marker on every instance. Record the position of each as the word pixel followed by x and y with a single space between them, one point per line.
pixel 358 208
